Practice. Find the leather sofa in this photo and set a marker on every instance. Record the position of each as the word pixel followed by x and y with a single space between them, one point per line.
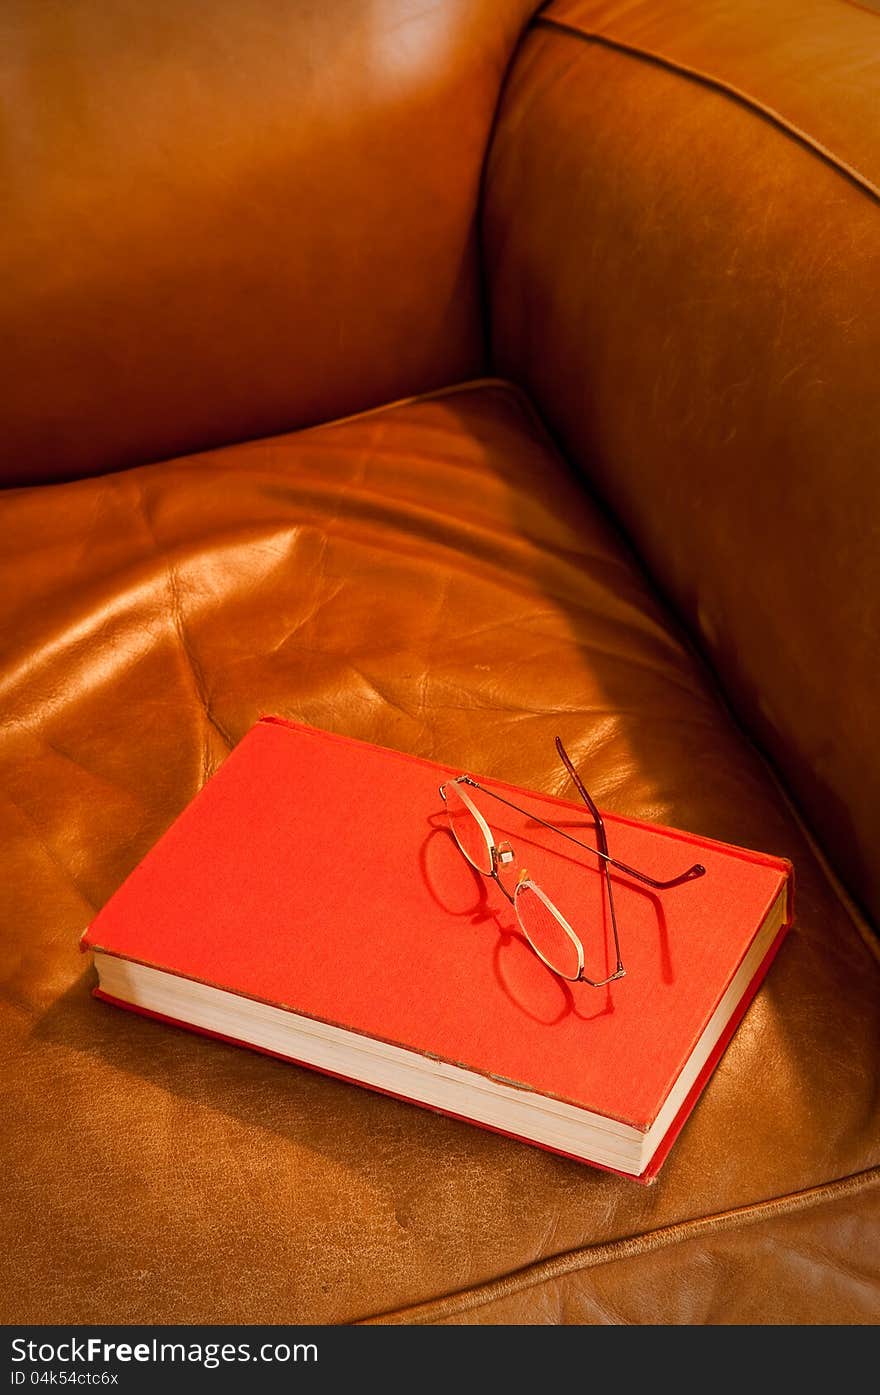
pixel 450 376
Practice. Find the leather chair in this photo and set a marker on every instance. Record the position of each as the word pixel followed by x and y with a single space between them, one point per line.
pixel 450 376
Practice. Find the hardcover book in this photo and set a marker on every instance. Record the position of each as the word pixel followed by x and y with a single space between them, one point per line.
pixel 312 902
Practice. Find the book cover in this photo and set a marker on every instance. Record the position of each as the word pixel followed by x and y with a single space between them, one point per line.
pixel 316 874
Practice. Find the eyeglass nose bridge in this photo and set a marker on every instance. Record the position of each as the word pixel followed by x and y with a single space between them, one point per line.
pixel 502 856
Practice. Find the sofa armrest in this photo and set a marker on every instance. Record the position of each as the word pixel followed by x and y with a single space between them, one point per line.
pixel 682 247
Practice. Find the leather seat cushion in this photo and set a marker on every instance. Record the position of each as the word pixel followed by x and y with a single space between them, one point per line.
pixel 431 576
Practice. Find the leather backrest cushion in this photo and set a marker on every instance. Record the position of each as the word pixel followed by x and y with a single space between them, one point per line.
pixel 225 219
pixel 682 242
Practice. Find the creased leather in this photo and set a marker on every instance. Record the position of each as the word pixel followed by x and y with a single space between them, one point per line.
pixel 432 577
pixel 701 1278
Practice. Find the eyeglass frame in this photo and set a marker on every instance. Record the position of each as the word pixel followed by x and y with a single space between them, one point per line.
pixel 502 854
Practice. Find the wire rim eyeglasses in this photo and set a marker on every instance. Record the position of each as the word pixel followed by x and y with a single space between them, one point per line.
pixel 548 932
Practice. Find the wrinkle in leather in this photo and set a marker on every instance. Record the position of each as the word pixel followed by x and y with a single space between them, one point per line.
pixel 433 577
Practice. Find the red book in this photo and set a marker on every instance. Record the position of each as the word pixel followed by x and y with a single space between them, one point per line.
pixel 311 902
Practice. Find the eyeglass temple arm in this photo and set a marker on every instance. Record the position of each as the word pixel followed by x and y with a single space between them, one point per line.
pixel 602 840
pixel 692 872
pixel 697 870
pixel 585 796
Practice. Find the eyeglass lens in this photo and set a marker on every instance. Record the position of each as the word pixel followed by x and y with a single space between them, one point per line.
pixel 542 923
pixel 467 832
pixel 547 934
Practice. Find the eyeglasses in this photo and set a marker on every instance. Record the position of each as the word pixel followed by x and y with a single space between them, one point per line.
pixel 548 932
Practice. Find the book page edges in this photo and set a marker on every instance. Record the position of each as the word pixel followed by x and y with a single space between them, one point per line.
pixel 776 918
pixel 665 1105
pixel 685 1109
pixel 212 1035
pixel 616 1146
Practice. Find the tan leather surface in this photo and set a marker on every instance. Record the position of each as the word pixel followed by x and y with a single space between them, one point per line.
pixel 700 1274
pixel 432 577
pixel 690 291
pixel 815 64
pixel 225 219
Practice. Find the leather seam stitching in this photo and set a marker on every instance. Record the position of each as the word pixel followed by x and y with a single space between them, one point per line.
pixel 728 89
pixel 609 1252
pixel 488 381
pixel 865 9
pixel 853 913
